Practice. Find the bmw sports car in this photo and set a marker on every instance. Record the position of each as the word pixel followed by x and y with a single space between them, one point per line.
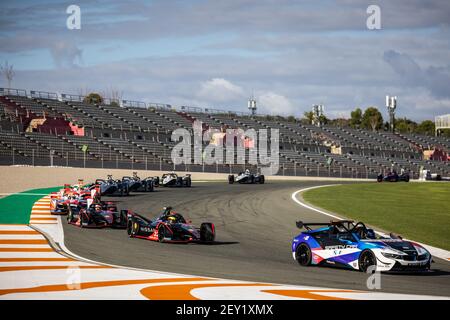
pixel 344 243
pixel 246 177
pixel 393 177
pixel 169 227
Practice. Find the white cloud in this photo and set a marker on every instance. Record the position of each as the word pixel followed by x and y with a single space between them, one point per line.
pixel 65 54
pixel 273 103
pixel 220 90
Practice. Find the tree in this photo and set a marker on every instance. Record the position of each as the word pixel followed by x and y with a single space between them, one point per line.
pixel 93 98
pixel 372 119
pixel 323 119
pixel 339 122
pixel 309 116
pixel 355 118
pixel 291 119
pixel 405 125
pixel 8 71
pixel 426 127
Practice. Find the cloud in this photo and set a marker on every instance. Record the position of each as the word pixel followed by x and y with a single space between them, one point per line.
pixel 66 54
pixel 402 63
pixel 435 79
pixel 220 90
pixel 273 103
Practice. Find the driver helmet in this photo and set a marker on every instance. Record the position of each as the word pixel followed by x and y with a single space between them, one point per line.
pixel 371 234
pixel 171 219
pixel 98 207
pixel 247 171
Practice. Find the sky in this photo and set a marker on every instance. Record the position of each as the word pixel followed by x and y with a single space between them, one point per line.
pixel 289 55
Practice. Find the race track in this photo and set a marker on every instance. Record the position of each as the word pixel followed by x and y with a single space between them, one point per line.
pixel 254 224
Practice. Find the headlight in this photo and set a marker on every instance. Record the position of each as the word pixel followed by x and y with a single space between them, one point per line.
pixel 391 255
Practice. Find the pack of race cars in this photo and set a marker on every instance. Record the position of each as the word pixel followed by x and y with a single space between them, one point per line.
pixel 84 208
pixel 340 243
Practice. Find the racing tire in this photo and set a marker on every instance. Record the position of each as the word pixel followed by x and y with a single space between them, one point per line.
pixel 130 230
pixel 231 179
pixel 161 233
pixel 70 216
pixel 379 179
pixel 150 186
pixel 81 219
pixel 262 179
pixel 304 255
pixel 366 260
pixel 123 219
pixel 179 182
pixel 207 232
pixel 188 182
pixel 407 179
pixel 252 179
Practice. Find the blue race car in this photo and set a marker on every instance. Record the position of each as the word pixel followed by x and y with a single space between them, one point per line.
pixel 346 244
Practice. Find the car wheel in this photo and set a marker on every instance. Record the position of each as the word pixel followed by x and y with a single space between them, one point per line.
pixel 161 233
pixel 130 230
pixel 366 260
pixel 230 179
pixel 261 179
pixel 81 217
pixel 207 233
pixel 304 255
pixel 69 216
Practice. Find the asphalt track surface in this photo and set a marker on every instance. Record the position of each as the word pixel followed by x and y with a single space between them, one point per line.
pixel 254 224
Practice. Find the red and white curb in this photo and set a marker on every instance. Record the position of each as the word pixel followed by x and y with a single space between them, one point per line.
pixel 435 252
pixel 40 213
pixel 33 268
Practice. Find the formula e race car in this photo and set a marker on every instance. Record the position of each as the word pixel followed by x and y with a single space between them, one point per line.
pixel 344 243
pixel 112 187
pixel 169 227
pixel 173 180
pixel 97 215
pixel 246 177
pixel 69 195
pixel 393 177
pixel 137 184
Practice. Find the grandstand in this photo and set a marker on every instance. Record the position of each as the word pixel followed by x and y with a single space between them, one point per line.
pixel 42 128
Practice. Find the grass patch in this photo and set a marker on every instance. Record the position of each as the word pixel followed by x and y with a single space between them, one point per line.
pixel 419 211
pixel 16 208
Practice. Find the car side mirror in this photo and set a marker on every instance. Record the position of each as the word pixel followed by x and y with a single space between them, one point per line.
pixel 299 224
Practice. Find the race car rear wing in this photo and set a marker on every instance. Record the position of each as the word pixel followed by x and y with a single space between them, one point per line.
pixel 307 225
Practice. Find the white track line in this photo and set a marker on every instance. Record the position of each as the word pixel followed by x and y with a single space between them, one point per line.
pixel 294 197
pixel 437 252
